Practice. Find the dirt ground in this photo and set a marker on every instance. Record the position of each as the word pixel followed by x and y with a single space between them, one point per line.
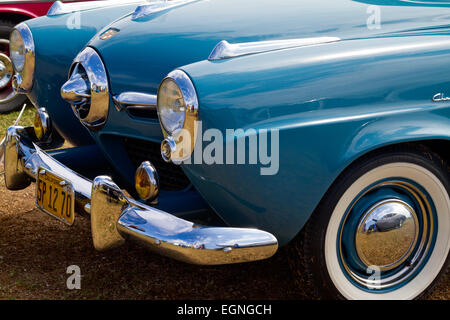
pixel 35 251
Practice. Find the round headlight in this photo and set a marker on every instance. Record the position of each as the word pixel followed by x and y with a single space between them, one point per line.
pixel 17 50
pixel 171 106
pixel 176 100
pixel 178 114
pixel 22 53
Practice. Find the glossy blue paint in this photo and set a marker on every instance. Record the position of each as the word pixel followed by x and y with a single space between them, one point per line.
pixel 409 3
pixel 169 39
pixel 331 103
pixel 85 160
pixel 58 39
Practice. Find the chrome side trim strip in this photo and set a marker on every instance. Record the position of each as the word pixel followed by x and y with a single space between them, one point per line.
pixel 135 100
pixel 150 8
pixel 115 217
pixel 59 8
pixel 226 50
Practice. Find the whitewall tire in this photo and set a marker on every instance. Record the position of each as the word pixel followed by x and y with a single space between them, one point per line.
pixel 383 229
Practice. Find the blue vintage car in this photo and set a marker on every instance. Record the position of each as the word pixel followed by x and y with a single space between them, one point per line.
pixel 51 42
pixel 281 123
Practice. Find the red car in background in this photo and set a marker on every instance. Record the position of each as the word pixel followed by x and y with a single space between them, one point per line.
pixel 13 12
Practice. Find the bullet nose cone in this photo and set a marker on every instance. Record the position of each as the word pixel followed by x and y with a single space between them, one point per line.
pixel 76 90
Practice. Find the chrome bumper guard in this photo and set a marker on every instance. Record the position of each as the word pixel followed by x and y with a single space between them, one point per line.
pixel 115 217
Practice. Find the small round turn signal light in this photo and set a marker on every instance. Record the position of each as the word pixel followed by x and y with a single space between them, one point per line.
pixel 168 148
pixel 147 182
pixel 41 124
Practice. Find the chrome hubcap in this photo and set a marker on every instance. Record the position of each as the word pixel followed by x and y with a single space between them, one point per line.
pixel 6 70
pixel 387 234
pixel 7 93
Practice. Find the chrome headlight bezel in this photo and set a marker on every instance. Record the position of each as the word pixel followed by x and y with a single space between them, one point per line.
pixel 93 94
pixel 180 147
pixel 24 77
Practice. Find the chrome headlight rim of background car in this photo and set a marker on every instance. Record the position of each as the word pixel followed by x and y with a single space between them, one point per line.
pixel 179 142
pixel 87 89
pixel 23 63
pixel 7 92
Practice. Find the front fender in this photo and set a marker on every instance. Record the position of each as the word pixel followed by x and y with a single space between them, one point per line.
pixel 331 104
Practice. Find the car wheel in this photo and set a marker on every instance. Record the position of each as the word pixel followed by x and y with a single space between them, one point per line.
pixel 9 100
pixel 344 260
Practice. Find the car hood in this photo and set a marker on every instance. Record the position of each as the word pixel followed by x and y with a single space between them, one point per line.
pixel 58 39
pixel 147 48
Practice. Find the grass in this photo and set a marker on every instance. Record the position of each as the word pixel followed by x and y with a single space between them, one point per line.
pixel 7 120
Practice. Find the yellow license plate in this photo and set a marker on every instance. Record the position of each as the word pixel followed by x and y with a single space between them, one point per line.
pixel 55 196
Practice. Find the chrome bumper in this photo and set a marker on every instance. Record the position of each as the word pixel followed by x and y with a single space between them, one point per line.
pixel 115 217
